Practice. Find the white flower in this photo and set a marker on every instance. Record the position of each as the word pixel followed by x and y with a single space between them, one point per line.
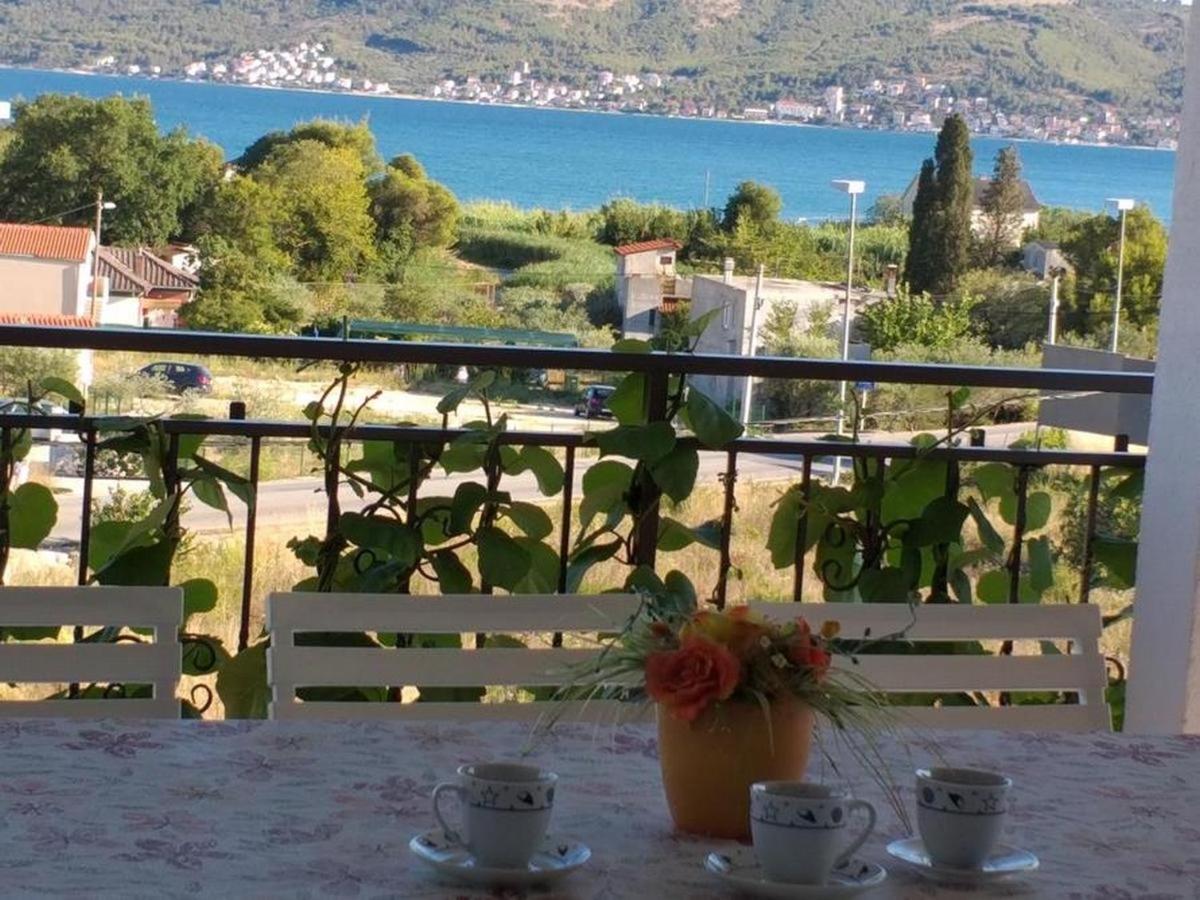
pixel 764 642
pixel 779 660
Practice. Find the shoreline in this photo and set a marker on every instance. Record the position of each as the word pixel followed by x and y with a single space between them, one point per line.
pixel 392 95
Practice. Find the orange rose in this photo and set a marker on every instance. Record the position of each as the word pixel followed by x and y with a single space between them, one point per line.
pixel 688 680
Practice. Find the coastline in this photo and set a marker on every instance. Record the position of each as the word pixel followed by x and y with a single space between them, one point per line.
pixel 393 95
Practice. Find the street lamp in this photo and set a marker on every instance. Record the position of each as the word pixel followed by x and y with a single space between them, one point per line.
pixel 1123 205
pixel 854 189
pixel 101 206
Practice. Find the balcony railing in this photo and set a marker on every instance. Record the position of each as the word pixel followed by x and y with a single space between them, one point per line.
pixel 658 368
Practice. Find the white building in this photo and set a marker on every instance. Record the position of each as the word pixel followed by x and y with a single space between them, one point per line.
pixel 835 101
pixel 647 285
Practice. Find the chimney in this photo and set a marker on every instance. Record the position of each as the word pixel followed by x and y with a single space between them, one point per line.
pixel 727 270
pixel 890 278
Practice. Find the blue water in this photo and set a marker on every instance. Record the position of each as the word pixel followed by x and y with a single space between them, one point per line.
pixel 536 157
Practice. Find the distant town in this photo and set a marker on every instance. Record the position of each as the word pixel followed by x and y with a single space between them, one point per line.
pixel 913 103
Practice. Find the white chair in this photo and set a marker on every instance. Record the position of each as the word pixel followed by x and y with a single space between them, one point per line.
pixel 123 662
pixel 290 666
pixel 1080 672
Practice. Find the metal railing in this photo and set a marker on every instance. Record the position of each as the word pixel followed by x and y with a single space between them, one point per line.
pixel 657 367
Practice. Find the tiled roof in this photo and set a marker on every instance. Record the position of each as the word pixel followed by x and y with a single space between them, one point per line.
pixel 53 242
pixel 56 320
pixel 135 270
pixel 647 246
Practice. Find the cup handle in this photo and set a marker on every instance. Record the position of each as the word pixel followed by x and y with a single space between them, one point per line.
pixel 866 832
pixel 447 787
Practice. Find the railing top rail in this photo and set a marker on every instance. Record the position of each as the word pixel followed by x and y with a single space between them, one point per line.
pixel 801 446
pixel 395 352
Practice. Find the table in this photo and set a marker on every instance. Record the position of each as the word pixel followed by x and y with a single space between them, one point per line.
pixel 238 808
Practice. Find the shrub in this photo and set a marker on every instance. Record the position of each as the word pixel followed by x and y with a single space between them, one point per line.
pixel 21 365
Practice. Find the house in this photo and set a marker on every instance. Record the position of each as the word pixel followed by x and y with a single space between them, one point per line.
pixel 729 332
pixel 1031 209
pixel 45 269
pixel 142 288
pixel 647 284
pixel 1042 258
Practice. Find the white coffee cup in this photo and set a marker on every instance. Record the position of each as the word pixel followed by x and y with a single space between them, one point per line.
pixel 800 829
pixel 960 814
pixel 506 810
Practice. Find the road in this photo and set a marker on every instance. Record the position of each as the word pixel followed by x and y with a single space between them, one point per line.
pixel 299 501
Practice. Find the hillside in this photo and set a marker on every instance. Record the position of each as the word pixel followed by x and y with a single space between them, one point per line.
pixel 1027 56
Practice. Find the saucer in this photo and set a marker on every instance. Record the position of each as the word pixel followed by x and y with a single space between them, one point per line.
pixel 1003 862
pixel 738 867
pixel 553 862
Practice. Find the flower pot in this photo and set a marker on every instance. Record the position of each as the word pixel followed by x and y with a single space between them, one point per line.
pixel 709 764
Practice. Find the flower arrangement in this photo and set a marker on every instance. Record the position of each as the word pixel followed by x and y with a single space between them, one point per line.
pixel 713 656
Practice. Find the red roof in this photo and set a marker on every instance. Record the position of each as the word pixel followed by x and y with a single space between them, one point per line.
pixel 53 242
pixel 54 320
pixel 647 246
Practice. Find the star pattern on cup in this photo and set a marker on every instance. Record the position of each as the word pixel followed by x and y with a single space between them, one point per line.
pixel 489 795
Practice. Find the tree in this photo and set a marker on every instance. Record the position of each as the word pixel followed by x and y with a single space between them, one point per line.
pixel 1003 202
pixel 919 265
pixel 325 225
pixel 411 210
pixel 955 199
pixel 754 204
pixel 916 319
pixel 63 149
pixel 1093 247
pixel 335 135
pixel 888 209
pixel 940 233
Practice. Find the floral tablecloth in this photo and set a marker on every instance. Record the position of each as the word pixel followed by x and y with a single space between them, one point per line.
pixel 264 809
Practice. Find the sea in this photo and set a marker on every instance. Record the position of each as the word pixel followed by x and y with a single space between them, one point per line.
pixel 572 159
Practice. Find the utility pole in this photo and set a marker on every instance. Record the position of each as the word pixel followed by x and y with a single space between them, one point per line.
pixel 1052 329
pixel 95 310
pixel 748 390
pixel 1123 205
pixel 707 177
pixel 854 189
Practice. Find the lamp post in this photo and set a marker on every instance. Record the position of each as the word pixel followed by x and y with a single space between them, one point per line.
pixel 854 189
pixel 1123 206
pixel 101 206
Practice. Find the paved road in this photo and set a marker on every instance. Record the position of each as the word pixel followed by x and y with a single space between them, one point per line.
pixel 297 501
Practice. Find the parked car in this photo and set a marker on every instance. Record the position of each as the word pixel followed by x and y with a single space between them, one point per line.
pixel 595 402
pixel 180 377
pixel 10 407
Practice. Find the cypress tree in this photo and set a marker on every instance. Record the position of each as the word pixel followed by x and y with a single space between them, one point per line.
pixel 955 198
pixel 1003 202
pixel 918 273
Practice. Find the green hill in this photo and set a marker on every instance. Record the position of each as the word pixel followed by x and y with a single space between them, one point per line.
pixel 1028 56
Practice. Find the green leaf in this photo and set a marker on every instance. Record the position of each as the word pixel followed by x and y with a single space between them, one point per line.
pixel 313 410
pixel 209 492
pixel 238 485
pixel 463 456
pixel 32 512
pixel 632 345
pixel 378 533
pixel 1037 510
pixel 107 539
pixel 148 565
pixel 697 326
pixel 468 498
pixel 1119 558
pixel 306 549
pixel 531 519
pixel 22 444
pixel 910 487
pixel 53 385
pixel 545 467
pixel 453 577
pixel 993 480
pixel 781 536
pixel 941 522
pixel 1041 564
pixel 987 534
pixel 242 684
pixel 502 561
pixel 993 586
pixel 676 472
pixel 455 396
pixel 542 577
pixel 585 559
pixel 604 487
pixel 960 583
pixel 713 426
pixel 204 658
pixel 199 596
pixel 628 401
pixel 1130 488
pixel 886 585
pixel 645 442
pixel 673 535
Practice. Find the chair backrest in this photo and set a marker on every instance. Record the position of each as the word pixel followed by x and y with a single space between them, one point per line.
pixel 290 667
pixel 1078 670
pixel 154 659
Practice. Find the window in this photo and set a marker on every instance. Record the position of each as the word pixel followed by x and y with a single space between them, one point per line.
pixel 727 317
pixel 653 318
pixel 666 260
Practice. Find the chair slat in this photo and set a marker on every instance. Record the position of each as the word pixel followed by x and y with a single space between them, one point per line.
pixel 975 673
pixel 448 614
pixel 597 712
pixel 124 662
pixel 129 606
pixel 1072 718
pixel 116 708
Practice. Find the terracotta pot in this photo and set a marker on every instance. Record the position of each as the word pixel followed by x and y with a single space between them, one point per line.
pixel 708 765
